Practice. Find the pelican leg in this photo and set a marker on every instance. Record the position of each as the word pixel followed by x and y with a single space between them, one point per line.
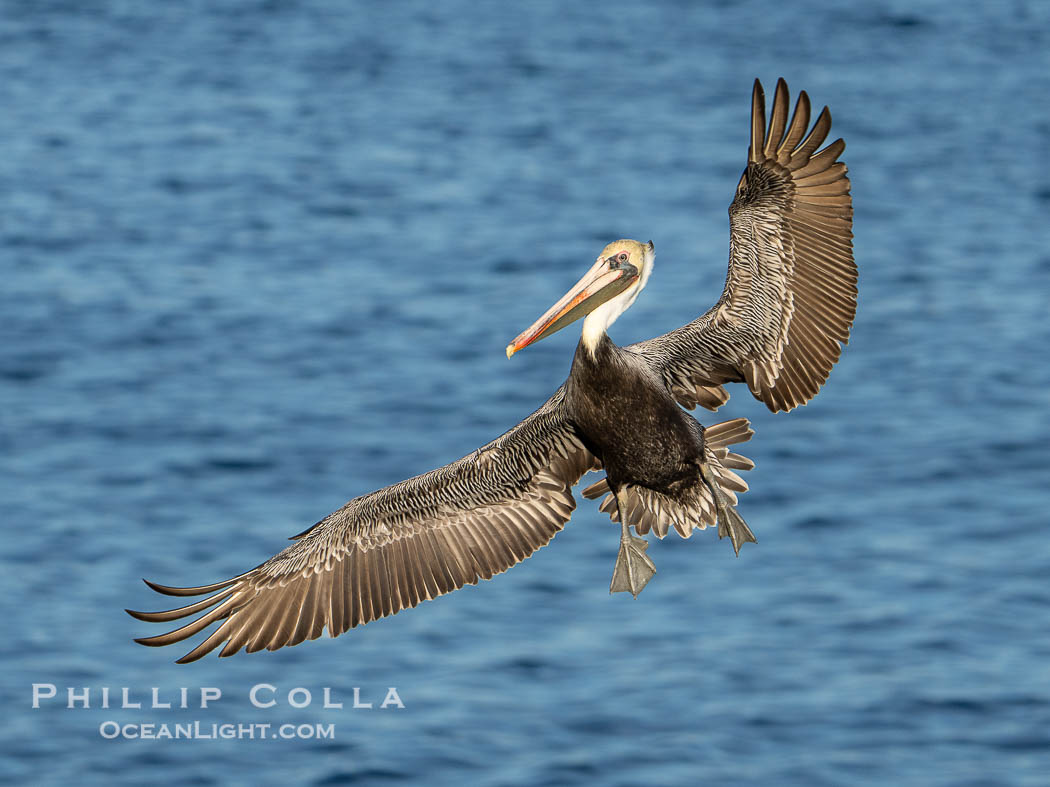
pixel 633 568
pixel 730 523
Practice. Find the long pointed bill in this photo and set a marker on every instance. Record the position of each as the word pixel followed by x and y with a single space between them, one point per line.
pixel 600 284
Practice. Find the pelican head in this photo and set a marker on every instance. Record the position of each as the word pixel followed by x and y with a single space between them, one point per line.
pixel 603 294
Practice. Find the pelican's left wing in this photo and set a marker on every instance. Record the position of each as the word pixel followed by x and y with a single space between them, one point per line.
pixel 389 550
pixel 791 290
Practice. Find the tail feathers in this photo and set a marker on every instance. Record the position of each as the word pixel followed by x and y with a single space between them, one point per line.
pixel 597 489
pixel 717 438
pixel 649 510
pixel 710 397
pixel 693 509
pixel 728 433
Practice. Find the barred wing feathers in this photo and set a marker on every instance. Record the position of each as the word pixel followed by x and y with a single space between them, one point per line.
pixel 396 547
pixel 791 291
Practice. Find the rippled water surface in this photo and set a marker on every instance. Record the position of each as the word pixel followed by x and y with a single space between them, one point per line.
pixel 259 258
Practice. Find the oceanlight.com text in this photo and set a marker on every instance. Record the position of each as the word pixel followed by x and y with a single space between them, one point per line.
pixel 196 730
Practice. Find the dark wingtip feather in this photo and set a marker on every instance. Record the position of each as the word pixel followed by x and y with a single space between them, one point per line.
pixel 821 126
pixel 167 615
pixel 796 130
pixel 167 590
pixel 778 117
pixel 758 122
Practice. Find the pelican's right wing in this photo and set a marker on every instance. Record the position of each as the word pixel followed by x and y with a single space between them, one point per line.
pixel 791 291
pixel 389 550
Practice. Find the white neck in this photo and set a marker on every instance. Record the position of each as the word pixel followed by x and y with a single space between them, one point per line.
pixel 597 322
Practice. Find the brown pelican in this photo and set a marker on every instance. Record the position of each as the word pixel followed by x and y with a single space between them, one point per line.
pixel 788 303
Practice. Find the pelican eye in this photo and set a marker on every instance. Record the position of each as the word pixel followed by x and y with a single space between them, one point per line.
pixel 621 257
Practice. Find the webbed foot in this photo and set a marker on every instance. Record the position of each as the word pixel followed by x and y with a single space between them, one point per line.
pixel 633 568
pixel 730 523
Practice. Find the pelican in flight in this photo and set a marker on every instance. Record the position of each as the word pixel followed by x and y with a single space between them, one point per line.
pixel 787 307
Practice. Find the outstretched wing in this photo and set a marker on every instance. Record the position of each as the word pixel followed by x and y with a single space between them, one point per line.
pixel 791 291
pixel 404 544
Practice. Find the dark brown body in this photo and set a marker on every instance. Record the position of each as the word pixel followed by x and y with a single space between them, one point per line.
pixel 628 419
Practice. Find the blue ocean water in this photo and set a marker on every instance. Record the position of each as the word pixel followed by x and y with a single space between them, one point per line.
pixel 260 257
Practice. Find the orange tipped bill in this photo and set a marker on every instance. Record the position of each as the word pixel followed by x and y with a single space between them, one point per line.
pixel 600 284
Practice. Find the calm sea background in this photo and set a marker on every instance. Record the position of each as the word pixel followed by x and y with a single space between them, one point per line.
pixel 259 258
